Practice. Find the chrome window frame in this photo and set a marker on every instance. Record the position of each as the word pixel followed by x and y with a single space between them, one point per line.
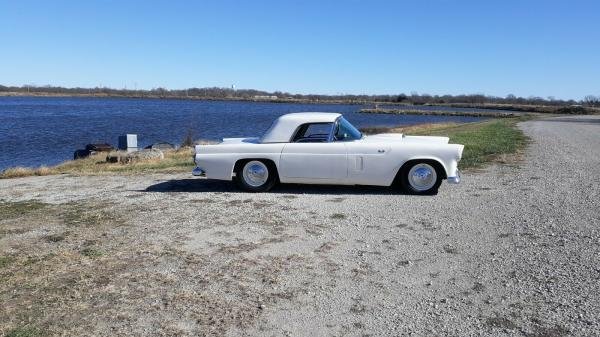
pixel 333 128
pixel 336 123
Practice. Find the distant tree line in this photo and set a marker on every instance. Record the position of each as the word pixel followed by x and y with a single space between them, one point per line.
pixel 250 94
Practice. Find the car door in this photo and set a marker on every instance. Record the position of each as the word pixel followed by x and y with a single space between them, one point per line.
pixel 311 156
pixel 314 162
pixel 369 163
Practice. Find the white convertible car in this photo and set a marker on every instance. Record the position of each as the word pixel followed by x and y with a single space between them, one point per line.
pixel 324 148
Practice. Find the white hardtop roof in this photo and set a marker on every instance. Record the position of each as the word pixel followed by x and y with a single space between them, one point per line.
pixel 283 127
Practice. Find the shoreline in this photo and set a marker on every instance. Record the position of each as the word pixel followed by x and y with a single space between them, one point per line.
pixel 547 109
pixel 491 114
pixel 525 108
pixel 180 160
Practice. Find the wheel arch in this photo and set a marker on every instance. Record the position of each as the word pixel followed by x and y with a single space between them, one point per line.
pixel 435 162
pixel 241 161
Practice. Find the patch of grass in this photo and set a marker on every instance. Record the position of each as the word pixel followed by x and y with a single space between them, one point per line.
pixel 26 331
pixel 55 237
pixel 16 172
pixel 484 142
pixel 14 209
pixel 500 322
pixel 174 161
pixel 338 216
pixel 43 278
pixel 5 261
pixel 78 214
pixel 91 252
pixel 35 259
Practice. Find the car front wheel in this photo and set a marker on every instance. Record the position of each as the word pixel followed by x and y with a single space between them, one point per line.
pixel 421 178
pixel 256 176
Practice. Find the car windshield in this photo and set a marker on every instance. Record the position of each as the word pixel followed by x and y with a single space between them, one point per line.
pixel 346 131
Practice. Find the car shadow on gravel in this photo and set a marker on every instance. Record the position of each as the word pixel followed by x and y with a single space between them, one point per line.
pixel 207 185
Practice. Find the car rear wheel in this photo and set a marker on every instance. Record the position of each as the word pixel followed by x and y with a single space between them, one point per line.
pixel 256 176
pixel 421 178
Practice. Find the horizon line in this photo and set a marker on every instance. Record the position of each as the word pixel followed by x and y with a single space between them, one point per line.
pixel 232 88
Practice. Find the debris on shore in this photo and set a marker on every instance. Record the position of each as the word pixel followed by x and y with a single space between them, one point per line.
pixel 92 149
pixel 124 157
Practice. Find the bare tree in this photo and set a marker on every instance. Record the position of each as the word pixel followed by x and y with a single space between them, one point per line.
pixel 591 100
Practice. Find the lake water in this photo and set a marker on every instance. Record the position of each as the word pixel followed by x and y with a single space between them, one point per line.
pixel 38 131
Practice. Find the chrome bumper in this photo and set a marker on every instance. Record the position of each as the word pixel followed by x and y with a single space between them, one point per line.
pixel 198 172
pixel 455 179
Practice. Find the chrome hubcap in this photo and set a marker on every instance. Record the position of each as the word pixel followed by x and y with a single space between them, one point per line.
pixel 422 177
pixel 255 173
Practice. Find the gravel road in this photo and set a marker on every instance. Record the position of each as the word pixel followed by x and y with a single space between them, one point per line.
pixel 514 250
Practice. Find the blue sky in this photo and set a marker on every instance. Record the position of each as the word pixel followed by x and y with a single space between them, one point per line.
pixel 541 48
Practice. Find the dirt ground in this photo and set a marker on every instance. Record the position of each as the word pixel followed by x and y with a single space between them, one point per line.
pixel 514 250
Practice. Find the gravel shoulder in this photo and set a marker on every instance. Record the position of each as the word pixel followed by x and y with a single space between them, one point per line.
pixel 514 250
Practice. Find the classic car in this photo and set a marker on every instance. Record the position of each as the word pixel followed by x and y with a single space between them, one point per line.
pixel 324 148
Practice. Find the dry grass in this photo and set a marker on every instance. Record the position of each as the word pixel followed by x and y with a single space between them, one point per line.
pixel 86 267
pixel 174 161
pixel 19 208
pixel 25 331
pixel 16 172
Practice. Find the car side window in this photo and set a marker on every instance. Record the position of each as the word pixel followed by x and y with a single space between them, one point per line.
pixel 344 131
pixel 313 133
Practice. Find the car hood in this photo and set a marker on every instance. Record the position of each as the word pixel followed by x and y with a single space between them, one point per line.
pixel 399 137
